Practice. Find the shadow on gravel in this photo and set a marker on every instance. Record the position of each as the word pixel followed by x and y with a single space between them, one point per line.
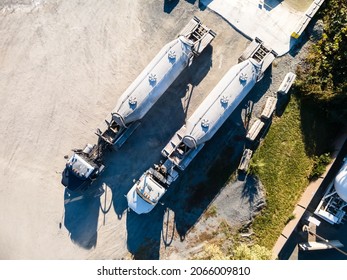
pixel 169 5
pixel 81 218
pixel 201 182
pixel 203 6
pixel 144 233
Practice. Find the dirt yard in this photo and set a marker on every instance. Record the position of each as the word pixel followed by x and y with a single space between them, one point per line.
pixel 63 65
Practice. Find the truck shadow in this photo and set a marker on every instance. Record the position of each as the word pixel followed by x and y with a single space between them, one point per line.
pixel 169 5
pixel 144 233
pixel 81 218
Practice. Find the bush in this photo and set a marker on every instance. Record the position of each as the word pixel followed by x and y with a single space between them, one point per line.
pixel 213 252
pixel 256 252
pixel 256 167
pixel 290 218
pixel 323 77
pixel 319 166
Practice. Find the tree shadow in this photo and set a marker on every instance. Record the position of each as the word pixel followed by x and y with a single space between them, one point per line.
pixel 316 128
pixel 250 189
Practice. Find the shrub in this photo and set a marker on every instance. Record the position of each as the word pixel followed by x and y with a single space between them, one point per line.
pixel 319 166
pixel 323 77
pixel 256 252
pixel 256 167
pixel 213 252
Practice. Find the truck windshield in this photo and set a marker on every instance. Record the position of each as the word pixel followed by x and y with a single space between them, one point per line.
pixel 150 191
pixel 79 167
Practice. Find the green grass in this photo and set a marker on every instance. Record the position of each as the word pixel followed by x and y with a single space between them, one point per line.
pixel 287 159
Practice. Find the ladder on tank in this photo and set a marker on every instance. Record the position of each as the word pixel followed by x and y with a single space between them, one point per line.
pixel 198 34
pixel 261 53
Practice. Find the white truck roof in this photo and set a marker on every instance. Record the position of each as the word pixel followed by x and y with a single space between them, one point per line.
pixel 80 166
pixel 145 194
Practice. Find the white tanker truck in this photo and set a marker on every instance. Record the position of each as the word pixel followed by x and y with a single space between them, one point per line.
pixel 85 165
pixel 332 207
pixel 199 128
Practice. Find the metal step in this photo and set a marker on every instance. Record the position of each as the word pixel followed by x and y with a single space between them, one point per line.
pixel 173 143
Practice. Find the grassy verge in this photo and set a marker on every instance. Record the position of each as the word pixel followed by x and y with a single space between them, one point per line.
pixel 284 162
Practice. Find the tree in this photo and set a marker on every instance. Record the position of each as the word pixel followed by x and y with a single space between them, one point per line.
pixel 323 77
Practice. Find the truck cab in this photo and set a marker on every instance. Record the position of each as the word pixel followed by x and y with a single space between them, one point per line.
pixel 80 170
pixel 145 193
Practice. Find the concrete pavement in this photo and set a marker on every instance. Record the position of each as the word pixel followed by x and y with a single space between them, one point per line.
pixel 271 21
